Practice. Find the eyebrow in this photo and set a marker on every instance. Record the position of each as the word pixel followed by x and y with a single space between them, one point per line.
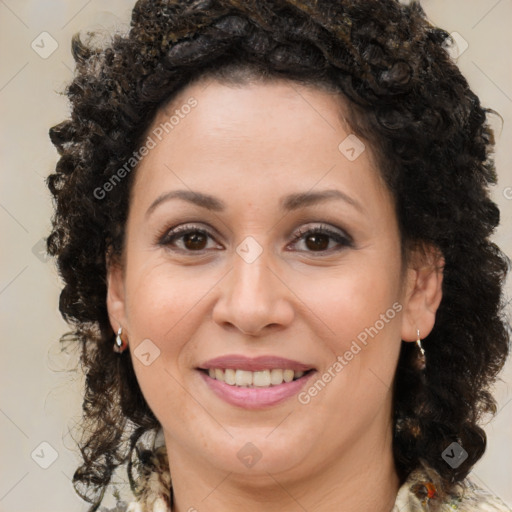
pixel 288 203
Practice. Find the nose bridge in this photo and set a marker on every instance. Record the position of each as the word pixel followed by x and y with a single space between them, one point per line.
pixel 254 297
pixel 252 275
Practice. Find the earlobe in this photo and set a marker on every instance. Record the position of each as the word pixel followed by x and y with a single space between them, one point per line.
pixel 424 294
pixel 116 297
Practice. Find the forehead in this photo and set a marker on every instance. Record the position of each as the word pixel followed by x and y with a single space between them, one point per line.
pixel 278 133
pixel 258 107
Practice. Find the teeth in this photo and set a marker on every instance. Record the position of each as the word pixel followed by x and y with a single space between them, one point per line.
pixel 259 379
pixel 288 375
pixel 276 377
pixel 230 377
pixel 242 377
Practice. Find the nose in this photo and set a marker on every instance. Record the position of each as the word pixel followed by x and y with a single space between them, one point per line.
pixel 254 298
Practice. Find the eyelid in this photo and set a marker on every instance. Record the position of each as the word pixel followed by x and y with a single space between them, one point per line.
pixel 168 233
pixel 339 235
pixel 323 229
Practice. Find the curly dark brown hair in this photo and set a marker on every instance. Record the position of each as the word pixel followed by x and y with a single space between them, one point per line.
pixel 405 97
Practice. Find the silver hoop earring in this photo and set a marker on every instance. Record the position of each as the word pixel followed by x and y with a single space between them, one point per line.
pixel 120 344
pixel 422 360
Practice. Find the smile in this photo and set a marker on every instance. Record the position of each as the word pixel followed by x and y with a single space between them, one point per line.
pixel 258 379
pixel 254 383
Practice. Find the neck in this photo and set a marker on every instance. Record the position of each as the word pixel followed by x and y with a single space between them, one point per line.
pixel 363 478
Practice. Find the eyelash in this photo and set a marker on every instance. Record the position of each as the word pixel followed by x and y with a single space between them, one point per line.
pixel 343 240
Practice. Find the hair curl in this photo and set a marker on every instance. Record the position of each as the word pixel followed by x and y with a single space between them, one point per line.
pixel 405 96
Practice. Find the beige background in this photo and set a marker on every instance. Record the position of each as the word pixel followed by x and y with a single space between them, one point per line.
pixel 39 402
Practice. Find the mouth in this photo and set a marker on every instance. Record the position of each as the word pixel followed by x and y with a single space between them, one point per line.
pixel 254 379
pixel 254 383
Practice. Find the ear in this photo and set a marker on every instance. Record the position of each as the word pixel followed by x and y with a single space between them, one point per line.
pixel 423 291
pixel 116 304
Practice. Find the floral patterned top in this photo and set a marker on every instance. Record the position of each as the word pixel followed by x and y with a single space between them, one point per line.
pixel 418 494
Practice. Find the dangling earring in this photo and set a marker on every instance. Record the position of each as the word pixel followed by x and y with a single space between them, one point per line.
pixel 422 360
pixel 120 344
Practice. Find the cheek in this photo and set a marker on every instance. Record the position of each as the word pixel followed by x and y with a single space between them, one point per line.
pixel 360 314
pixel 352 301
pixel 162 310
pixel 166 305
pixel 161 297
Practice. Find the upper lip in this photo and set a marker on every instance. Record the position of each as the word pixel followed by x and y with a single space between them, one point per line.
pixel 239 362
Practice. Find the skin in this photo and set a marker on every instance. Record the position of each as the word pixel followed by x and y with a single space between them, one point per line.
pixel 248 146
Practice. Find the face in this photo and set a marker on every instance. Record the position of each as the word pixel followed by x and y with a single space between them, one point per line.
pixel 258 249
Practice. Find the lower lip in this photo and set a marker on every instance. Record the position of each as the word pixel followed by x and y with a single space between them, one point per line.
pixel 255 398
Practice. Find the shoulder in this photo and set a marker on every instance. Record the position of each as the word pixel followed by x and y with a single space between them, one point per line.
pixel 154 487
pixel 472 497
pixel 134 506
pixel 121 506
pixel 420 493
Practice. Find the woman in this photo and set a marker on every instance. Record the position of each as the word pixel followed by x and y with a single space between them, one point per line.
pixel 273 221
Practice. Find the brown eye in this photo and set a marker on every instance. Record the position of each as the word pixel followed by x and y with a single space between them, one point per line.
pixel 318 239
pixel 194 240
pixel 187 239
pixel 317 242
